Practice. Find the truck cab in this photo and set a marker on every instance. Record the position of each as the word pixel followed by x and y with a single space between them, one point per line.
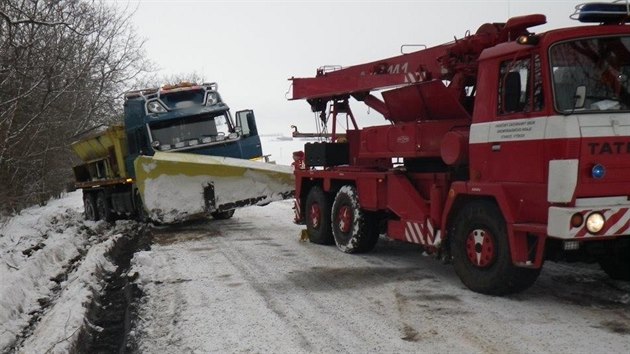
pixel 187 118
pixel 552 139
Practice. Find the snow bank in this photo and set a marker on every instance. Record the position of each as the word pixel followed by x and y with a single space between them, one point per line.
pixel 58 330
pixel 38 249
pixel 35 246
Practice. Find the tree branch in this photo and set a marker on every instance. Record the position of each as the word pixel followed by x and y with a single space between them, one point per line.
pixel 29 20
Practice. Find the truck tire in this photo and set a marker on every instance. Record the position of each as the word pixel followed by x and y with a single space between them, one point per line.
pixel 223 215
pixel 617 265
pixel 317 217
pixel 141 213
pixel 481 252
pixel 89 207
pixel 103 208
pixel 354 230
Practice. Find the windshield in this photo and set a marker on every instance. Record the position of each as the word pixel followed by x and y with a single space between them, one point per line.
pixel 191 131
pixel 591 74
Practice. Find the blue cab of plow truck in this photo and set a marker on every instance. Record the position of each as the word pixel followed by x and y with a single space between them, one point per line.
pixel 187 117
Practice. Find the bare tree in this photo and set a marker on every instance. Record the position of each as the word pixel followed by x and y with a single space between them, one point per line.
pixel 63 67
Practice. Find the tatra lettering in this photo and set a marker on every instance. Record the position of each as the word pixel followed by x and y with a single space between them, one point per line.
pixel 616 147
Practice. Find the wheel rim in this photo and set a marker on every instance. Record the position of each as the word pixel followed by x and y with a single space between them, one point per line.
pixel 345 219
pixel 315 215
pixel 480 248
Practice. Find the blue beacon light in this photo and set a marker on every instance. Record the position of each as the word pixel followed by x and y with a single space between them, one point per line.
pixel 598 171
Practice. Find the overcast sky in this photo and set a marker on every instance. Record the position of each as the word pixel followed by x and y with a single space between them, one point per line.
pixel 250 48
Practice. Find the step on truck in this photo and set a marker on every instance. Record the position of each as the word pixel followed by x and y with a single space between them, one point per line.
pixel 503 149
pixel 179 154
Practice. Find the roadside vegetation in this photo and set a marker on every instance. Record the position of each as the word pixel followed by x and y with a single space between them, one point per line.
pixel 64 66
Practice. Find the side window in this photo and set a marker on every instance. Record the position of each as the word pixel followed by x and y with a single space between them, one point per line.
pixel 539 98
pixel 222 126
pixel 520 86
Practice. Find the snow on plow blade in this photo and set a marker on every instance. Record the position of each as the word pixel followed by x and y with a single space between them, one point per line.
pixel 178 186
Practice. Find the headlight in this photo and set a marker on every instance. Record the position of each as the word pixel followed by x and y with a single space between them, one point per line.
pixel 155 107
pixel 212 98
pixel 595 222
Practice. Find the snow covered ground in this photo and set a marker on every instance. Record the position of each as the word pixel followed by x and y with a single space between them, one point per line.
pixel 50 261
pixel 249 284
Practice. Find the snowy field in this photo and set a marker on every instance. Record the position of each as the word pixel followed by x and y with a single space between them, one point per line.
pixel 249 284
pixel 282 146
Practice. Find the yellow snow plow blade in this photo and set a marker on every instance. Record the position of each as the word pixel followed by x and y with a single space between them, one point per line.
pixel 176 186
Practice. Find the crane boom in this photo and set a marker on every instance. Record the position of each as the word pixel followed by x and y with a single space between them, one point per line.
pixel 455 61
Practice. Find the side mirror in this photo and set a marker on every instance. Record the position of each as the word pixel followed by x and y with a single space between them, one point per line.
pixel 251 121
pixel 246 120
pixel 580 96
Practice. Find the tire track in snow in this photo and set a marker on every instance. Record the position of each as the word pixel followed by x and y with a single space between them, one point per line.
pixel 46 252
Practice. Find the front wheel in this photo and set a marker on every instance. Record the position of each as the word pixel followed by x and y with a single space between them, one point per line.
pixel 354 229
pixel 223 215
pixel 617 264
pixel 481 252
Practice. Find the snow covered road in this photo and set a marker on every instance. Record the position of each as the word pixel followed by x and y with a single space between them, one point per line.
pixel 249 284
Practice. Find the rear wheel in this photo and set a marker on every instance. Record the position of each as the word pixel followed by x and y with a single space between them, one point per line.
pixel 89 206
pixel 481 252
pixel 317 217
pixel 354 230
pixel 223 215
pixel 103 207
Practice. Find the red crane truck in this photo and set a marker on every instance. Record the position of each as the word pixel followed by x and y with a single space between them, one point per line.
pixel 505 148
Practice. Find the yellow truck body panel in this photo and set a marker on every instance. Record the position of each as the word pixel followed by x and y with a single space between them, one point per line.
pixel 104 144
